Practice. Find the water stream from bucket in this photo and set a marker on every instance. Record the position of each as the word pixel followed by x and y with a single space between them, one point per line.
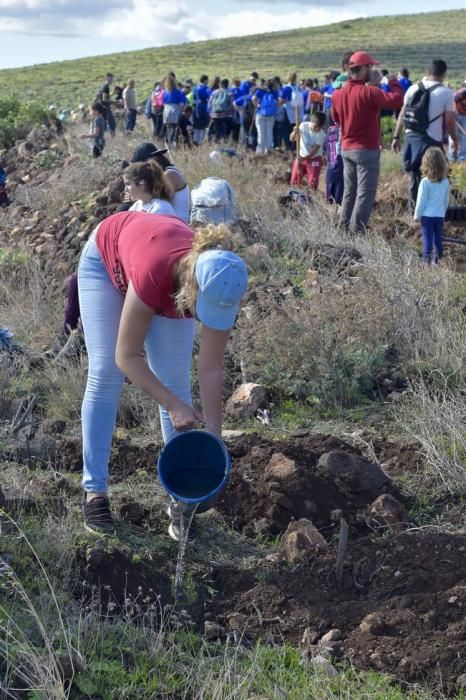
pixel 186 518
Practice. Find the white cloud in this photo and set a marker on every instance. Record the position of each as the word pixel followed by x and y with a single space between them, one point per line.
pixel 160 23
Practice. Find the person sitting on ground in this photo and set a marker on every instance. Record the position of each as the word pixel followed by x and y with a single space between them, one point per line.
pixel 148 188
pixel 142 280
pixel 96 130
pixel 432 202
pixel 309 160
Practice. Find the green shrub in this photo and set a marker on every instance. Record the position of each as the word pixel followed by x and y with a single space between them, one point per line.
pixel 17 117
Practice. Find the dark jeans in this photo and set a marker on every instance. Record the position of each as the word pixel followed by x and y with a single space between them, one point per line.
pixel 157 124
pixel 335 183
pixel 222 127
pixel 110 121
pixel 432 232
pixel 72 312
pixel 131 115
pixel 415 145
pixel 97 151
pixel 361 175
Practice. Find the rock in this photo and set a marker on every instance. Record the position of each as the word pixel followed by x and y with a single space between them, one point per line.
pixel 246 400
pixel 237 621
pixel 115 190
pixel 133 512
pixel 280 468
pixel 257 256
pixel 326 256
pixel 373 624
pixel 394 396
pixel 352 473
pixel 25 149
pixel 310 637
pixel 53 427
pixel 212 631
pixel 333 649
pixel 333 635
pixel 461 682
pixel 312 279
pixel 232 434
pixel 301 541
pixel 262 526
pixel 388 512
pixel 321 664
pixel 68 665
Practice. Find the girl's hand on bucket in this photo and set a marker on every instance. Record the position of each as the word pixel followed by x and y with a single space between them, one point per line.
pixel 184 417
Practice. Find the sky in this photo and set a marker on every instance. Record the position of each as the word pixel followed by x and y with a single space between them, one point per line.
pixel 40 31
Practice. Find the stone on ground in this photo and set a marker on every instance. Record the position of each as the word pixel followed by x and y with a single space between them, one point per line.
pixel 246 400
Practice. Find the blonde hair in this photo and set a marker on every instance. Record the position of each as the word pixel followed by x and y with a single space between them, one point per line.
pixel 206 238
pixel 434 164
pixel 170 83
pixel 151 175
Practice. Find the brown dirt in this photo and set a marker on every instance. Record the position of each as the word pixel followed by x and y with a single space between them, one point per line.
pixel 413 582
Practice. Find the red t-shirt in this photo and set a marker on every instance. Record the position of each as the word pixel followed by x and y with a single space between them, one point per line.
pixel 143 248
pixel 356 109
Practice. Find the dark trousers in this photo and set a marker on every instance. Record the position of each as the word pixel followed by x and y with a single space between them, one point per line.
pixel 131 115
pixel 97 151
pixel 222 127
pixel 415 145
pixel 72 312
pixel 432 232
pixel 157 124
pixel 334 185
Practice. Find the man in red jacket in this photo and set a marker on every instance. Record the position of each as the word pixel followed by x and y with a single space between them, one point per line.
pixel 356 109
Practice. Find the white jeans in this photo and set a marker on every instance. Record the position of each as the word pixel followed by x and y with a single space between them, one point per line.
pixel 264 127
pixel 168 346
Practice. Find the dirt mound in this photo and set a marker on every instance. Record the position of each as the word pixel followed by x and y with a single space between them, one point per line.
pixel 400 608
pixel 317 477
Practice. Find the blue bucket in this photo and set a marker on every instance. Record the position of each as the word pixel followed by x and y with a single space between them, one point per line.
pixel 194 466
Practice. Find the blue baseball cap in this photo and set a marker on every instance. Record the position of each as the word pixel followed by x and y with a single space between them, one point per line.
pixel 222 277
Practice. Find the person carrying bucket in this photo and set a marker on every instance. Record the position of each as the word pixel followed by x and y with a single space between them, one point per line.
pixel 143 279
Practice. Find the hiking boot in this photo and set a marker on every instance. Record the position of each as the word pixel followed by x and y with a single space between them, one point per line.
pixel 98 516
pixel 174 511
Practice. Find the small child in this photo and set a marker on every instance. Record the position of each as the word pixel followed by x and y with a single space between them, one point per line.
pixel 432 202
pixel 334 176
pixel 97 129
pixel 309 160
pixel 185 126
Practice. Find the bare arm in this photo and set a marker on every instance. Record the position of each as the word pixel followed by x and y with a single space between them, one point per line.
pixel 210 373
pixel 450 123
pixel 135 320
pixel 174 179
pixel 398 128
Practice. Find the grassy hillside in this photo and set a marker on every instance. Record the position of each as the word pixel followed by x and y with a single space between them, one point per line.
pixel 410 40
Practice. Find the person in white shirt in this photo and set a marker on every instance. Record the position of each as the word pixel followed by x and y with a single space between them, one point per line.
pixel 146 185
pixel 441 121
pixel 432 202
pixel 309 160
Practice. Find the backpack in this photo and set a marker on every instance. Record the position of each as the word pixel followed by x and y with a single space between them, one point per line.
pixel 416 116
pixel 157 101
pixel 148 108
pixel 221 101
pixel 213 202
pixel 268 105
pixel 297 97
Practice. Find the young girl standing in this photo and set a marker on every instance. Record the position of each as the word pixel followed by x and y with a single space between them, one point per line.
pixel 148 188
pixel 432 202
pixel 96 130
pixel 309 159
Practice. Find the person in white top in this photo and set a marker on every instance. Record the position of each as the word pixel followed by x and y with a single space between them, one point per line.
pixel 311 141
pixel 441 121
pixel 181 199
pixel 432 202
pixel 147 186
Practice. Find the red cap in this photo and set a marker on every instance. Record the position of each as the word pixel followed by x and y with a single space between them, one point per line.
pixel 361 58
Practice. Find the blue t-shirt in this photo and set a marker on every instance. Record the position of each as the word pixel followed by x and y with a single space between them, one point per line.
pixel 268 101
pixel 174 97
pixel 201 98
pixel 235 92
pixel 242 101
pixel 404 83
pixel 328 90
pixel 246 86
